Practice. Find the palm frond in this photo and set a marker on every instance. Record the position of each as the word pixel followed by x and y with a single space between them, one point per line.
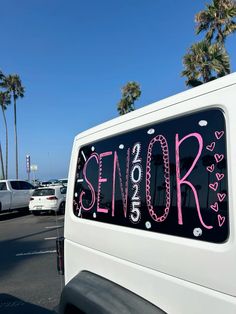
pixel 217 20
pixel 130 93
pixel 204 62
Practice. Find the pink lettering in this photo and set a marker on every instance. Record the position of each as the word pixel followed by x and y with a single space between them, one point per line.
pixel 165 152
pixel 124 191
pixel 100 181
pixel 180 181
pixel 94 155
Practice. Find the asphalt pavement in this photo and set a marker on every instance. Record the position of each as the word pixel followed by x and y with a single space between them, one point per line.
pixel 29 282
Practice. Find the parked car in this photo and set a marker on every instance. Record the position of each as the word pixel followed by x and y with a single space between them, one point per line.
pixel 48 199
pixel 63 181
pixel 52 182
pixel 45 183
pixel 15 194
pixel 36 183
pixel 55 182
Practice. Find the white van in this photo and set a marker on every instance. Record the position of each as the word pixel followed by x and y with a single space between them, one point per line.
pixel 150 224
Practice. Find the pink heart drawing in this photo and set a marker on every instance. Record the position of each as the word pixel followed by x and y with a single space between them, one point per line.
pixel 211 146
pixel 215 207
pixel 214 186
pixel 221 197
pixel 219 176
pixel 218 157
pixel 221 220
pixel 219 134
pixel 211 168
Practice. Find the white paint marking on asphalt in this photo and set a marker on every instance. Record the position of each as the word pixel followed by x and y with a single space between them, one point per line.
pixel 60 218
pixel 51 227
pixel 36 253
pixel 52 238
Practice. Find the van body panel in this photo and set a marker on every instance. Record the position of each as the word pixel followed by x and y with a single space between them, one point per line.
pixel 172 295
pixel 160 266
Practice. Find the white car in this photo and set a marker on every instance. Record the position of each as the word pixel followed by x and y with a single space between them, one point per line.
pixel 48 199
pixel 15 194
pixel 63 181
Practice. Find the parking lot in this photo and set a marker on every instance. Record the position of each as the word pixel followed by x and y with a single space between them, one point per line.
pixel 29 279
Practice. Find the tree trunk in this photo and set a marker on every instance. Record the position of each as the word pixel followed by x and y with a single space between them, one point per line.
pixel 6 160
pixel 15 127
pixel 2 166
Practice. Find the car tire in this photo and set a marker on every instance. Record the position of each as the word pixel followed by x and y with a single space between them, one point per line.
pixel 36 213
pixel 62 208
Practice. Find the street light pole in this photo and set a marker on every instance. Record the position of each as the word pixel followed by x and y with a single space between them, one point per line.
pixel 28 166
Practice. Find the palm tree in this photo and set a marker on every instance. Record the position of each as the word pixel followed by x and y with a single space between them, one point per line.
pixel 2 165
pixel 4 102
pixel 204 63
pixel 1 158
pixel 218 20
pixel 13 85
pixel 123 107
pixel 130 93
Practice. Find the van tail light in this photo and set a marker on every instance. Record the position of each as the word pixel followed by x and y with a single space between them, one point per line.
pixel 52 198
pixel 31 198
pixel 60 255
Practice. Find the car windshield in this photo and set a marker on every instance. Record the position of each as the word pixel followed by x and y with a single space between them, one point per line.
pixel 44 192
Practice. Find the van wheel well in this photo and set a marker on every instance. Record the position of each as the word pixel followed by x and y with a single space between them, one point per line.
pixel 90 293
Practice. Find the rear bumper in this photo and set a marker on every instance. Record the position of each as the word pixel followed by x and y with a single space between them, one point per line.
pixel 43 209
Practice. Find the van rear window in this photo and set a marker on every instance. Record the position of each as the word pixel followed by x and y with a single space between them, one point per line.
pixel 168 177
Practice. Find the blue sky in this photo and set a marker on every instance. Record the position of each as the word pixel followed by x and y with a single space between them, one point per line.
pixel 73 58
